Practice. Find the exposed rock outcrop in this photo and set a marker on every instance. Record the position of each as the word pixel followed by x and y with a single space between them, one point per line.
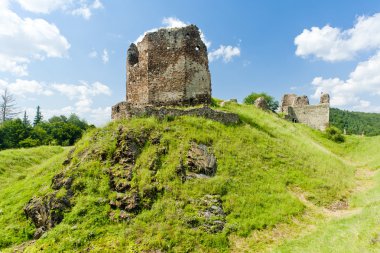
pixel 130 200
pixel 210 214
pixel 48 211
pixel 200 163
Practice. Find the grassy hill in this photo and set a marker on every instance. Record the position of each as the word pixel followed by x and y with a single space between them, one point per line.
pixel 133 186
pixel 356 122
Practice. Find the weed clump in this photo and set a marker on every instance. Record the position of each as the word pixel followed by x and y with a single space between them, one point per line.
pixel 334 134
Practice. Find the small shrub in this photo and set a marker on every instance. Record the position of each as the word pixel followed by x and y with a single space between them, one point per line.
pixel 334 134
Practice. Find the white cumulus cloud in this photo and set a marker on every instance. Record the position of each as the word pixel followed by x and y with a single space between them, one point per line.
pixel 83 11
pixel 43 6
pixel 363 83
pixel 26 39
pixel 334 44
pixel 224 52
pixel 22 88
pixel 172 22
pixel 83 94
pixel 82 8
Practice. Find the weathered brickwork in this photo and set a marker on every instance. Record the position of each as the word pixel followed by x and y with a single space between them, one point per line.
pixel 169 67
pixel 297 109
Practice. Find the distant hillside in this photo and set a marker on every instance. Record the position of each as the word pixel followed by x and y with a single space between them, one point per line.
pixel 356 122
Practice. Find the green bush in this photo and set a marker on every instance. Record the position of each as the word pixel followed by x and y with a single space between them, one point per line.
pixel 334 134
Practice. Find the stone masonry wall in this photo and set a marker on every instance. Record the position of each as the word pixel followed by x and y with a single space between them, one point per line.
pixel 287 100
pixel 169 67
pixel 297 109
pixel 124 110
pixel 315 116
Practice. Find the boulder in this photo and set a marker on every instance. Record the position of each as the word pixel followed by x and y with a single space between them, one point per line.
pixel 261 103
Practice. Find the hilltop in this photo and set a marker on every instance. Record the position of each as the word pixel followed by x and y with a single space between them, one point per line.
pixel 185 184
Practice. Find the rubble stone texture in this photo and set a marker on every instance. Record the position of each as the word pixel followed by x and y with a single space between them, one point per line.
pixel 325 98
pixel 287 100
pixel 297 109
pixel 301 101
pixel 261 103
pixel 169 67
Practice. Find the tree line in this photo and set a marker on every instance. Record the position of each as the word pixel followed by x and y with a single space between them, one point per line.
pixel 21 132
pixel 355 122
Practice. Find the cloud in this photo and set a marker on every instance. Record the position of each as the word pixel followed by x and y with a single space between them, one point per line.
pixel 24 39
pixel 22 88
pixel 82 93
pixel 83 11
pixel 82 8
pixel 43 6
pixel 105 56
pixel 97 5
pixel 362 83
pixel 172 22
pixel 224 52
pixel 333 44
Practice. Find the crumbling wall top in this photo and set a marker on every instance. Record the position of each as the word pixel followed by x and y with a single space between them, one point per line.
pixel 169 67
pixel 300 101
pixel 325 98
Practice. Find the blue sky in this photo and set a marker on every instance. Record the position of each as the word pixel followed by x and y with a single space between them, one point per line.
pixel 69 55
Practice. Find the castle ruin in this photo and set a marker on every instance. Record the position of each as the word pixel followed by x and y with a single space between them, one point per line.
pixel 169 67
pixel 297 109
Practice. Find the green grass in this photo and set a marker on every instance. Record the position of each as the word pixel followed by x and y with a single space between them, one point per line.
pixel 24 172
pixel 260 163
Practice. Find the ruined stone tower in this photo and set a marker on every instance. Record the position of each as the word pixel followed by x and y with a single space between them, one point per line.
pixel 297 109
pixel 169 67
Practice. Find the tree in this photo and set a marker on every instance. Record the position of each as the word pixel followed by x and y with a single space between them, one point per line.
pixel 272 103
pixel 38 118
pixel 7 107
pixel 12 132
pixel 25 120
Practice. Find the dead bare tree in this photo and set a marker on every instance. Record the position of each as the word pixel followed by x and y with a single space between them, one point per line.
pixel 8 108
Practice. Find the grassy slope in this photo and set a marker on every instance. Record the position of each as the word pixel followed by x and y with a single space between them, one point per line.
pixel 359 232
pixel 22 173
pixel 260 163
